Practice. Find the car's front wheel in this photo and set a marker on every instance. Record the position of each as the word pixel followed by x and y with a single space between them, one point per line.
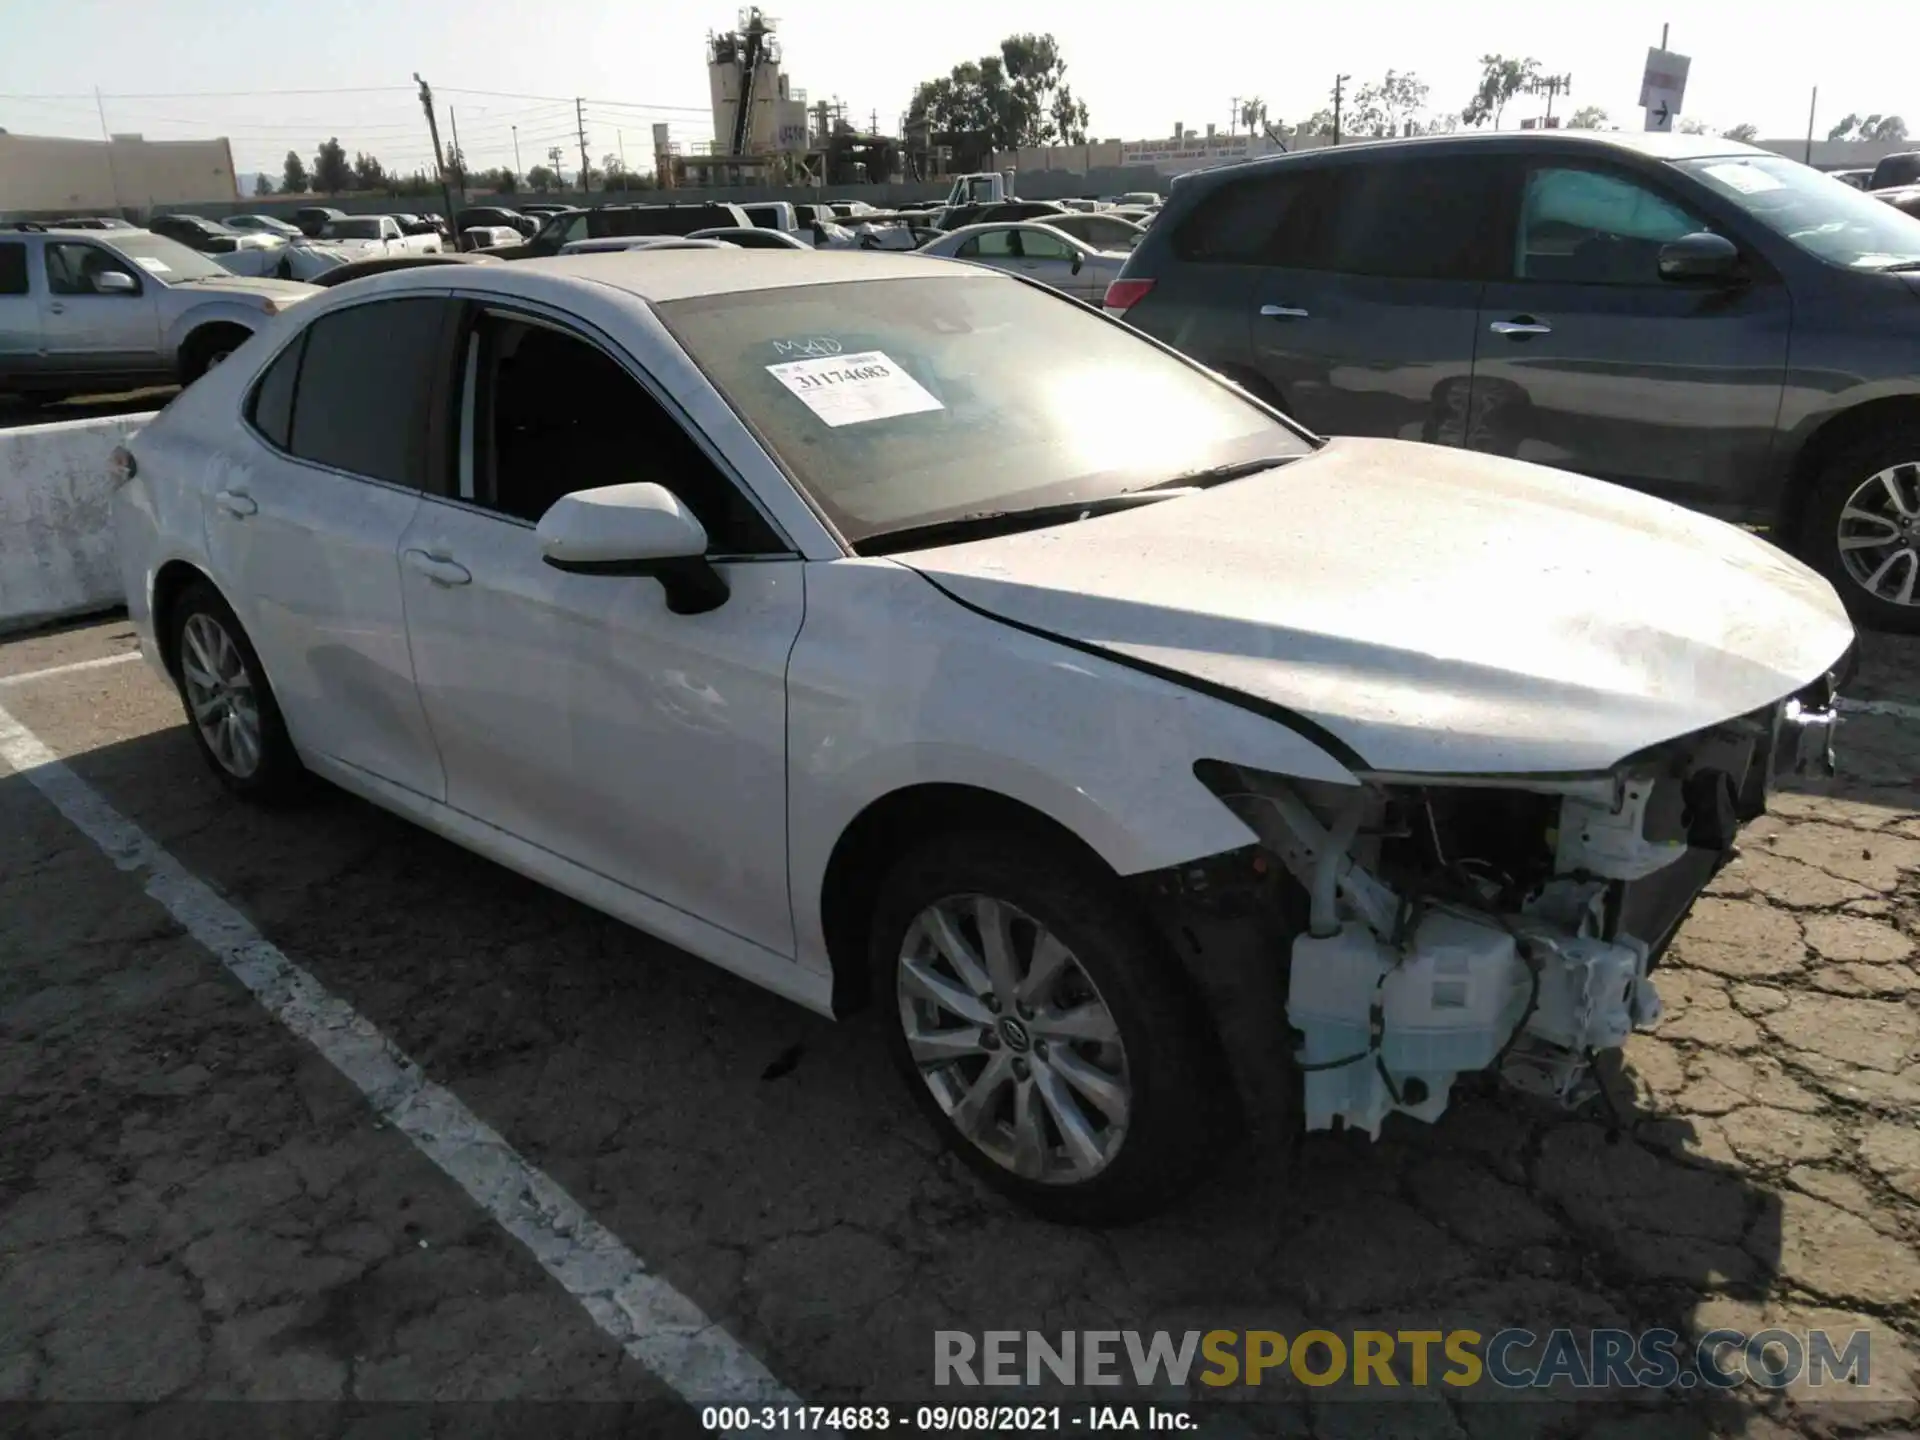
pixel 231 711
pixel 1044 1028
pixel 1863 528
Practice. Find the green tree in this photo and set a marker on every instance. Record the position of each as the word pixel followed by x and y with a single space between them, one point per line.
pixel 1389 107
pixel 1690 126
pixel 1253 115
pixel 293 174
pixel 368 173
pixel 542 181
pixel 1745 131
pixel 456 165
pixel 504 181
pixel 263 185
pixel 331 172
pixel 1501 78
pixel 1588 117
pixel 1318 124
pixel 1871 127
pixel 1002 102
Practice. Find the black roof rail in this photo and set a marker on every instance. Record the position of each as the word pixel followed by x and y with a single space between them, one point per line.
pixel 34 225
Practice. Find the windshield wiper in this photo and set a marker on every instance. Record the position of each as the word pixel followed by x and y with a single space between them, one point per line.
pixel 1897 267
pixel 983 523
pixel 1215 475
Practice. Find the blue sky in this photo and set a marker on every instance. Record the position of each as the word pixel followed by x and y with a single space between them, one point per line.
pixel 1140 67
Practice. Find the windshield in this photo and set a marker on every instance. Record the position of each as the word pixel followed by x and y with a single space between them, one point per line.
pixel 901 403
pixel 166 259
pixel 1823 216
pixel 353 229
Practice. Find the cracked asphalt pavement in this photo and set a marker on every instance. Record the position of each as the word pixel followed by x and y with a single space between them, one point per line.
pixel 195 1205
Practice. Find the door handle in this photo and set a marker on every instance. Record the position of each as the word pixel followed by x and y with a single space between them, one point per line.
pixel 56 307
pixel 236 503
pixel 1525 325
pixel 438 568
pixel 1283 312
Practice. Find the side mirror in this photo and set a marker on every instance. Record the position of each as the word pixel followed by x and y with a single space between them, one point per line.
pixel 631 530
pixel 1699 256
pixel 1078 261
pixel 114 282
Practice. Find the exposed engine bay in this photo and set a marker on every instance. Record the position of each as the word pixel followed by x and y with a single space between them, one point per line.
pixel 1507 924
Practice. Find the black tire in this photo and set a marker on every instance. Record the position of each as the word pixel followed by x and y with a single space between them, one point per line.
pixel 278 778
pixel 207 347
pixel 1819 539
pixel 1181 1118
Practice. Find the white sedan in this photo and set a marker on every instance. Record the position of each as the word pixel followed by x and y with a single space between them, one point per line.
pixel 1039 251
pixel 888 631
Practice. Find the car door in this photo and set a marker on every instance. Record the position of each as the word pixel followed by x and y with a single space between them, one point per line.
pixel 1370 329
pixel 577 712
pixel 1053 260
pixel 85 328
pixel 303 534
pixel 19 313
pixel 1589 360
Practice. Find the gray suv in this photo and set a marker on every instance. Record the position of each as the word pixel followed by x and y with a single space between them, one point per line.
pixel 88 311
pixel 1689 316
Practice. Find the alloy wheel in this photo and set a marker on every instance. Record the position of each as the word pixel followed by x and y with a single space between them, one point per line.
pixel 220 695
pixel 1879 534
pixel 1013 1038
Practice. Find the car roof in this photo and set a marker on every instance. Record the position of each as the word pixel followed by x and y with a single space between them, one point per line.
pixel 665 275
pixel 1655 145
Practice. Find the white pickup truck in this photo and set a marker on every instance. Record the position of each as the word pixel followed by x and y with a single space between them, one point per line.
pixel 369 235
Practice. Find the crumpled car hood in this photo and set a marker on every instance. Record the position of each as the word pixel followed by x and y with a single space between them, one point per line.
pixel 1432 610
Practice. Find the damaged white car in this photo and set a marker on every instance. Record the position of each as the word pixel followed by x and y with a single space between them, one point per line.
pixel 900 635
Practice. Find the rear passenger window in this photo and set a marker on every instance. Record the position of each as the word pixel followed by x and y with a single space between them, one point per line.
pixel 365 389
pixel 272 408
pixel 1261 220
pixel 13 268
pixel 1430 219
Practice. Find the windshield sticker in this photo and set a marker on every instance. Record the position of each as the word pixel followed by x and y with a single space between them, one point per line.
pixel 152 266
pixel 813 345
pixel 853 389
pixel 1744 178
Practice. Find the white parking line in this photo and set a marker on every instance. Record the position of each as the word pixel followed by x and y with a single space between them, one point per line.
pixel 71 669
pixel 1892 708
pixel 651 1320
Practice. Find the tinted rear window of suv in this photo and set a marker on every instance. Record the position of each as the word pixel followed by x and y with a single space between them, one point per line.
pixel 1262 219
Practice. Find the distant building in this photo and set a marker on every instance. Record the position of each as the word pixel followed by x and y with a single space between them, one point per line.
pixel 51 175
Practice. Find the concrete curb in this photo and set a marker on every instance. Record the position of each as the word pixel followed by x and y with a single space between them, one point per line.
pixel 57 557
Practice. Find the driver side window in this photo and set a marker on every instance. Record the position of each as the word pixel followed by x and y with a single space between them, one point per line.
pixel 1038 245
pixel 552 414
pixel 1588 227
pixel 73 268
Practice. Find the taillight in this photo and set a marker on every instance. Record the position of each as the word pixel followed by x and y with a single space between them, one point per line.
pixel 1123 295
pixel 121 466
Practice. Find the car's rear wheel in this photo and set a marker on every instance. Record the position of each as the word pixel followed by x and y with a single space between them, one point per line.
pixel 1044 1029
pixel 236 722
pixel 1862 528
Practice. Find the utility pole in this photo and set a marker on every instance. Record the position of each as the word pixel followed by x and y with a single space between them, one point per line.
pixel 1812 105
pixel 433 129
pixel 580 121
pixel 516 152
pixel 459 170
pixel 113 171
pixel 1233 117
pixel 1339 90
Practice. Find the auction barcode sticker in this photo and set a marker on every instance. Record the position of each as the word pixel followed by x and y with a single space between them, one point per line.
pixel 852 389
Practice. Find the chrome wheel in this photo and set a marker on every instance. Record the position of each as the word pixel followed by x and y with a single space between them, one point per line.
pixel 220 694
pixel 1013 1038
pixel 1879 534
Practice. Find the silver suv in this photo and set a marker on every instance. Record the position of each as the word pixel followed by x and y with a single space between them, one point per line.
pixel 92 310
